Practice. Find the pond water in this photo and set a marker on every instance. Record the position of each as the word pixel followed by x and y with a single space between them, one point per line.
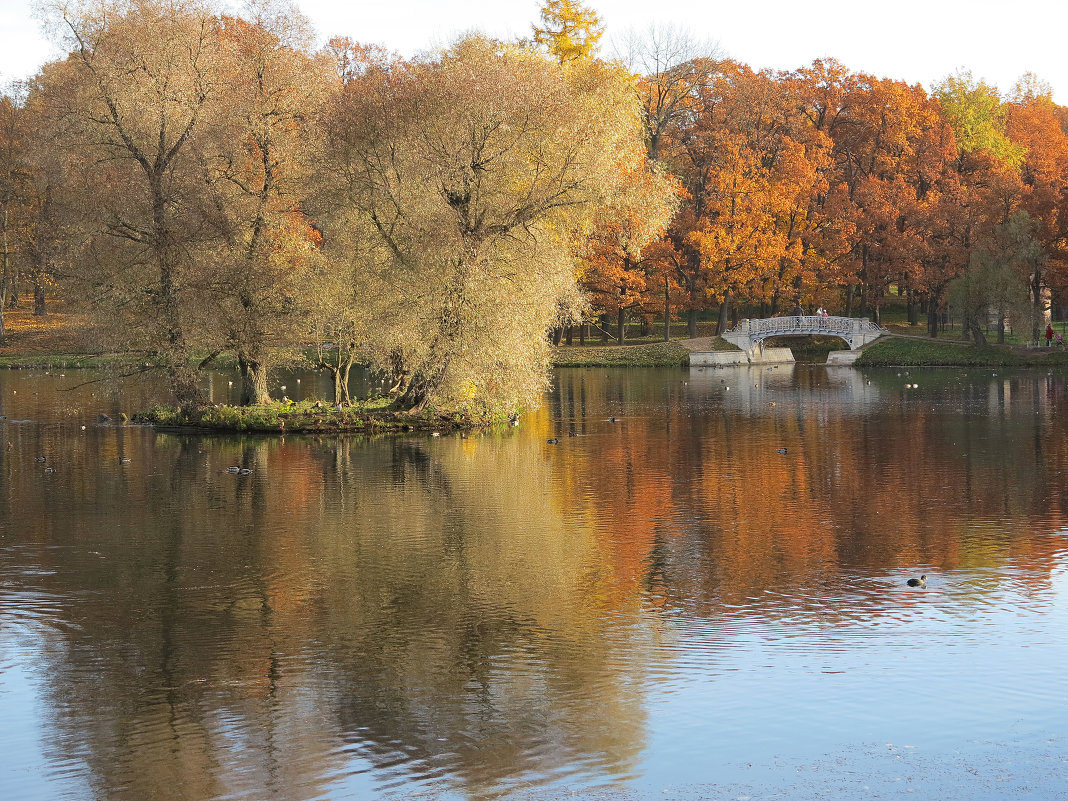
pixel 705 598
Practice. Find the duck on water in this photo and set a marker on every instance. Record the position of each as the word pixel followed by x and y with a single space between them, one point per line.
pixel 918 582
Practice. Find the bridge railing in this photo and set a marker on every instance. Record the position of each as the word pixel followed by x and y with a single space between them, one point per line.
pixel 805 324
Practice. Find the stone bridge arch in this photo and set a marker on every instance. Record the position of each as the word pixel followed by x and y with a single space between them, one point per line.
pixel 749 335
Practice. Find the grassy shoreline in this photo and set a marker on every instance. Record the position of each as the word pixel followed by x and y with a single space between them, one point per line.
pixel 906 351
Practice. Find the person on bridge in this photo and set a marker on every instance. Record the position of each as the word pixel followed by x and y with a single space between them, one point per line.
pixel 798 313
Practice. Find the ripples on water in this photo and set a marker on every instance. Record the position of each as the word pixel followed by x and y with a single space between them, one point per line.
pixel 663 606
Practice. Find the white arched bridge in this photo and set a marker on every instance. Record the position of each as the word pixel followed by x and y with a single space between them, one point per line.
pixel 749 335
pixel 856 332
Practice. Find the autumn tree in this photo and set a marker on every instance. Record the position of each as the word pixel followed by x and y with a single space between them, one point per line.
pixel 669 65
pixel 977 114
pixel 125 108
pixel 12 180
pixel 997 279
pixel 1033 125
pixel 258 155
pixel 475 169
pixel 615 274
pixel 569 30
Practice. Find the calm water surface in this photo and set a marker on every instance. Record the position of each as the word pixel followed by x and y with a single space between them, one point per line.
pixel 664 606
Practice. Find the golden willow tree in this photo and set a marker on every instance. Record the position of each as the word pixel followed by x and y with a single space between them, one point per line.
pixel 125 108
pixel 257 165
pixel 471 173
pixel 184 136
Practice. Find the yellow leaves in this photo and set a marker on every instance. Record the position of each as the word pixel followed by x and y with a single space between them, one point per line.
pixel 569 31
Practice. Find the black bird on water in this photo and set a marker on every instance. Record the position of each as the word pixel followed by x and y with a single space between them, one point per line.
pixel 918 582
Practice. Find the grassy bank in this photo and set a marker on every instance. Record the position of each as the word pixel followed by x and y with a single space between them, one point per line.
pixel 922 352
pixel 305 417
pixel 654 354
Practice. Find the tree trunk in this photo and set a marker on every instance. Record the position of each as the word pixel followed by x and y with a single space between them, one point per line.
pixel 667 310
pixel 346 371
pixel 932 319
pixel 724 313
pixel 584 331
pixel 1039 323
pixel 569 334
pixel 914 317
pixel 621 324
pixel 39 309
pixel 253 380
pixel 691 323
pixel 339 389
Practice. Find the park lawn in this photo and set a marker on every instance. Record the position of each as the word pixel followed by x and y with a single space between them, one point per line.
pixel 902 351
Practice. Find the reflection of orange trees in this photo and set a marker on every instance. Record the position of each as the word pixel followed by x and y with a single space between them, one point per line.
pixel 873 495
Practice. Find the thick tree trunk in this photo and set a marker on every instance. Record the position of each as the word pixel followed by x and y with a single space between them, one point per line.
pixel 253 380
pixel 569 334
pixel 932 319
pixel 724 313
pixel 621 324
pixel 584 331
pixel 691 323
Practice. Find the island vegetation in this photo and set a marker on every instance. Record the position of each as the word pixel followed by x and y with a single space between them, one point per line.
pixel 200 187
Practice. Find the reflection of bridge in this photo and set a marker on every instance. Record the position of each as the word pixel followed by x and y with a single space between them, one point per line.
pixel 750 334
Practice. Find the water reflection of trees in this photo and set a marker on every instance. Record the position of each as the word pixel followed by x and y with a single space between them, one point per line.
pixel 473 611
pixel 401 603
pixel 877 477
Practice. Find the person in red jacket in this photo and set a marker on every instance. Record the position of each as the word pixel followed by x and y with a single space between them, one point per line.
pixel 1049 334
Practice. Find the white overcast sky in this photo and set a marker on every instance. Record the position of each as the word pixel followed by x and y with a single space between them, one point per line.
pixel 919 41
